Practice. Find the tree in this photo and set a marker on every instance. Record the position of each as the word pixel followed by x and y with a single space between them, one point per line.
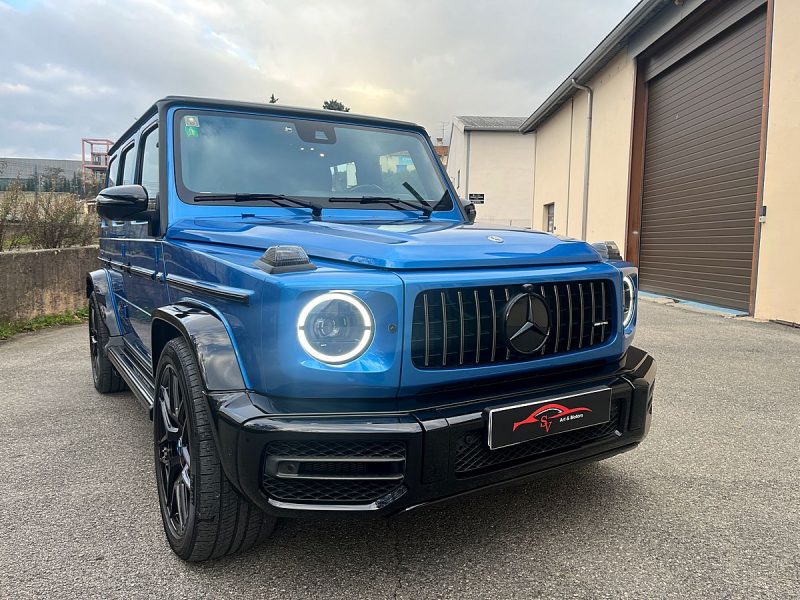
pixel 273 99
pixel 335 105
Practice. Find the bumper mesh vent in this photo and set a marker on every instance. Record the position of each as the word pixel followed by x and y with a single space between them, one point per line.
pixel 462 327
pixel 333 472
pixel 473 455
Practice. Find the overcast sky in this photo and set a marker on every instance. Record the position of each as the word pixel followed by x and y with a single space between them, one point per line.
pixel 87 68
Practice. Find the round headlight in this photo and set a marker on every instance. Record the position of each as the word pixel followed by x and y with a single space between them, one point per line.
pixel 628 300
pixel 335 327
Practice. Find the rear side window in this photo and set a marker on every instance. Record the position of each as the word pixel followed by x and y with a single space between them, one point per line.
pixel 111 178
pixel 128 165
pixel 150 163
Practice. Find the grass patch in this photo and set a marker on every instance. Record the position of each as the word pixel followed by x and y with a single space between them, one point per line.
pixel 12 328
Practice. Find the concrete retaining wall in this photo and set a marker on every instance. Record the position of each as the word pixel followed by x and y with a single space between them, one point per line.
pixel 44 282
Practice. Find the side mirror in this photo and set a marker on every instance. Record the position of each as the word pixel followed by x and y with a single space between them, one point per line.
pixel 469 210
pixel 122 202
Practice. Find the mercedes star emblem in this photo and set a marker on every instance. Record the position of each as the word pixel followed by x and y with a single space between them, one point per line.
pixel 527 322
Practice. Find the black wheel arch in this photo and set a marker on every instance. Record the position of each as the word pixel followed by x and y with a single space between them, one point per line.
pixel 97 284
pixel 208 336
pixel 209 340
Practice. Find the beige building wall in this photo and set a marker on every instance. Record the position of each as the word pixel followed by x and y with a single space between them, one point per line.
pixel 457 159
pixel 778 284
pixel 501 168
pixel 553 155
pixel 560 149
pixel 612 130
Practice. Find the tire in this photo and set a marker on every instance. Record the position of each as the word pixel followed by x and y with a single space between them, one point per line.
pixel 106 378
pixel 203 515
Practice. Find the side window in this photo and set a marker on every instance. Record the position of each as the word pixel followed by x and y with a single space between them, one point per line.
pixel 128 165
pixel 111 176
pixel 149 179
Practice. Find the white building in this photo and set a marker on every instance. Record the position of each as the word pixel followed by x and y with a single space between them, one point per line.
pixel 490 157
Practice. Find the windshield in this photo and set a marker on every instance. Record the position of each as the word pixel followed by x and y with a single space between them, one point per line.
pixel 230 158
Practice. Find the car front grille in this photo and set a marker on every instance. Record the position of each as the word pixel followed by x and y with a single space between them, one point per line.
pixel 473 456
pixel 462 327
pixel 334 472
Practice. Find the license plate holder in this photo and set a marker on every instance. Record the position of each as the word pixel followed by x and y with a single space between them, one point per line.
pixel 528 421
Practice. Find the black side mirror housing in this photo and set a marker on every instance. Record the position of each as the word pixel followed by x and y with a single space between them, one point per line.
pixel 122 202
pixel 469 210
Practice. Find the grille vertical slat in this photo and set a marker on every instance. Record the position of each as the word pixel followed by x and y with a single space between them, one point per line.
pixel 558 318
pixel 575 307
pixel 461 328
pixel 569 312
pixel 494 324
pixel 603 308
pixel 427 331
pixel 580 336
pixel 544 346
pixel 477 328
pixel 594 319
pixel 444 329
pixel 508 350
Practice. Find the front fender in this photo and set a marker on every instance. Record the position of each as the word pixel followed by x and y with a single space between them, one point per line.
pixel 209 337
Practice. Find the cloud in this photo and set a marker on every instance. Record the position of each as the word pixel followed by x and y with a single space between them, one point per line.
pixel 92 66
pixel 7 87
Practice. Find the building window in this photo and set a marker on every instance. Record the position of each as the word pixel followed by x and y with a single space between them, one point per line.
pixel 549 224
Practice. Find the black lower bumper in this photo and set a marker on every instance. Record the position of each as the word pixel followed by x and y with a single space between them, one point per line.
pixel 385 463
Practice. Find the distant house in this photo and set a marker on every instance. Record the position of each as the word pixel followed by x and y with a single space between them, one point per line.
pixel 442 152
pixel 490 161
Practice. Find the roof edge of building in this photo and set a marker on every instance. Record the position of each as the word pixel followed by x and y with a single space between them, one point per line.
pixel 472 123
pixel 597 59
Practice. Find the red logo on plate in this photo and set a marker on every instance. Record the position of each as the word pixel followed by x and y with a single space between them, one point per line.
pixel 545 415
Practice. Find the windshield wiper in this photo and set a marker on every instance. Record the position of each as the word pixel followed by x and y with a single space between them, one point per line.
pixel 278 199
pixel 396 203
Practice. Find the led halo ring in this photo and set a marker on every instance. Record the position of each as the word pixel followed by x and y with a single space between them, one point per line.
pixel 627 283
pixel 363 343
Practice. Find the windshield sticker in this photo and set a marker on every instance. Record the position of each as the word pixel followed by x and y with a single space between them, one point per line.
pixel 191 126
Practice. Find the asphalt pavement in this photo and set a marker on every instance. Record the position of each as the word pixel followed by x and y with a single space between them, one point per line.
pixel 707 507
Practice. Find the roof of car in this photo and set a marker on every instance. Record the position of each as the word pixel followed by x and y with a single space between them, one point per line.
pixel 257 107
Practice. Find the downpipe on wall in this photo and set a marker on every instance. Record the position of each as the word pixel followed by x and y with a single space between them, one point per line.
pixel 587 156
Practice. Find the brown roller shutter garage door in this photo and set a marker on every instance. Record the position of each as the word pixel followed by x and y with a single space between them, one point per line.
pixel 701 170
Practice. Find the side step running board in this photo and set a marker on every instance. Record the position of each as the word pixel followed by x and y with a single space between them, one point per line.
pixel 142 388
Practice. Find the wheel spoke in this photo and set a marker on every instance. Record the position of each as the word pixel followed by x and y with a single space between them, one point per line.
pixel 182 503
pixel 187 459
pixel 171 432
pixel 185 477
pixel 174 393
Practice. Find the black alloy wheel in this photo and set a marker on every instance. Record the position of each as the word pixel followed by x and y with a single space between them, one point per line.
pixel 105 376
pixel 172 434
pixel 94 344
pixel 203 515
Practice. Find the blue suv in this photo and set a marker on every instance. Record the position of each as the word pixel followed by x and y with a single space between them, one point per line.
pixel 317 326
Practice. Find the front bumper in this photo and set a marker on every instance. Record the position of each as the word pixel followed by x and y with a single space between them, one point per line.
pixel 295 464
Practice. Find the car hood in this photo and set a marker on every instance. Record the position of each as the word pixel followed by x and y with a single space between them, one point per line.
pixel 393 245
